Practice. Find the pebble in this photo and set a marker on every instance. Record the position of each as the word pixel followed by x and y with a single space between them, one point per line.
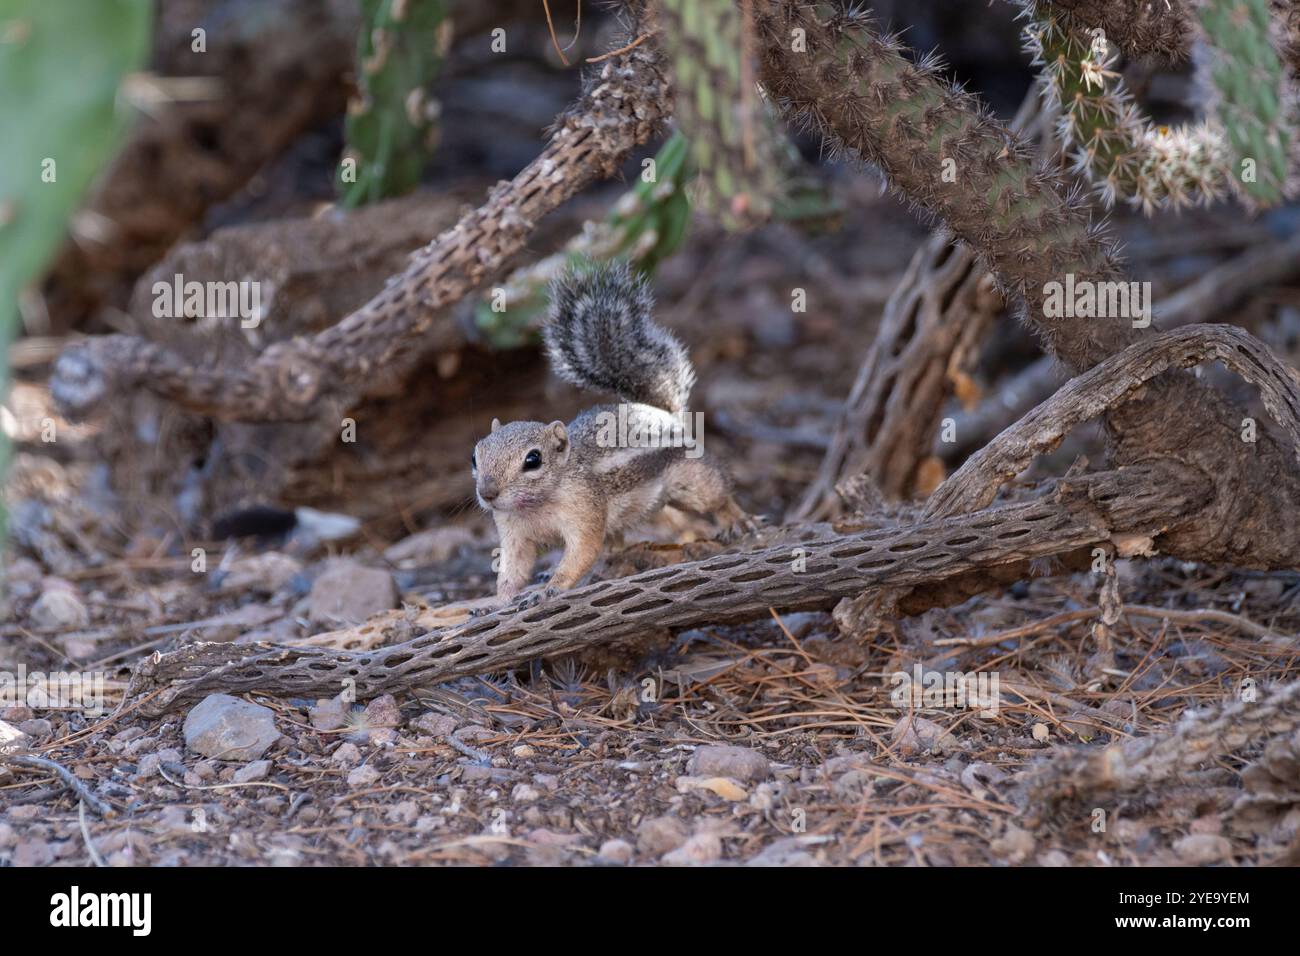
pixel 658 835
pixel 252 772
pixel 364 776
pixel 227 728
pixel 726 760
pixel 617 852
pixel 1203 848
pixel 434 724
pixel 701 848
pixel 348 593
pixel 59 606
pixel 382 712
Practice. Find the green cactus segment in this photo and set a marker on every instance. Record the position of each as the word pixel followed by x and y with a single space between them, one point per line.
pixel 645 226
pixel 391 127
pixel 62 114
pixel 1253 101
pixel 718 107
pixel 1110 141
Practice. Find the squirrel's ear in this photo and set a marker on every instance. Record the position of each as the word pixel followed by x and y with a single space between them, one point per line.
pixel 559 438
pixel 496 423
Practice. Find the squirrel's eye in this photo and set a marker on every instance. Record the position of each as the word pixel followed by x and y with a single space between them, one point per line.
pixel 473 460
pixel 532 460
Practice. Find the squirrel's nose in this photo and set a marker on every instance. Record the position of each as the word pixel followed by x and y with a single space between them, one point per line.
pixel 488 492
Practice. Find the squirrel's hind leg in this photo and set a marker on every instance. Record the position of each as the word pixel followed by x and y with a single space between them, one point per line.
pixel 700 487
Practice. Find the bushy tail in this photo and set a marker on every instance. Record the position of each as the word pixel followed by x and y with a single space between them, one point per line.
pixel 599 335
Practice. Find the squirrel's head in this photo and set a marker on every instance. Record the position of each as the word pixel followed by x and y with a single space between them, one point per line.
pixel 519 466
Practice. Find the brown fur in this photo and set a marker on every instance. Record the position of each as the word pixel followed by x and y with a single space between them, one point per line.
pixel 583 493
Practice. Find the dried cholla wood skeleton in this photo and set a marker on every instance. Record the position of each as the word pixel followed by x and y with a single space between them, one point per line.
pixel 1183 477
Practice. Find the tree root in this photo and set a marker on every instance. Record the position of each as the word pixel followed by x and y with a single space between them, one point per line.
pixel 1108 385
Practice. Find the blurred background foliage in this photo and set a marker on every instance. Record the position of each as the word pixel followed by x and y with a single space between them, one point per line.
pixel 62 70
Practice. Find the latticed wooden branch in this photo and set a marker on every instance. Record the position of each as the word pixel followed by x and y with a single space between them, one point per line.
pixel 1071 514
pixel 929 338
pixel 931 331
pixel 1114 381
pixel 625 101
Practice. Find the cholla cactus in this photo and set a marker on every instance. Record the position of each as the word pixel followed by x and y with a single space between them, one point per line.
pixel 1108 139
pixel 645 226
pixel 1252 95
pixel 1242 144
pixel 733 142
pixel 391 128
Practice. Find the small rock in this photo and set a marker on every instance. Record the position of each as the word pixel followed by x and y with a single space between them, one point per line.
pixel 1041 733
pixel 59 606
pixel 474 734
pixel 264 573
pixel 38 728
pixel 348 593
pixel 33 853
pixel 364 776
pixel 11 738
pixel 1053 858
pixel 524 793
pixel 347 755
pixel 8 836
pixel 1015 844
pixel 701 848
pixel 148 766
pixel 788 851
pixel 524 752
pixel 434 724
pixel 403 813
pixel 658 835
pixel 382 712
pixel 227 728
pixel 726 760
pixel 617 852
pixel 1200 848
pixel 914 734
pixel 252 772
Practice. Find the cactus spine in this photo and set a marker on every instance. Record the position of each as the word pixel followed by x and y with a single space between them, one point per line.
pixel 1243 144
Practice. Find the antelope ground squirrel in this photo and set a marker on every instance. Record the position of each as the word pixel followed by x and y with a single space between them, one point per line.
pixel 614 466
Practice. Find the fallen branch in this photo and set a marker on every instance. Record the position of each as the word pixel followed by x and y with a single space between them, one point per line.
pixel 1200 735
pixel 930 333
pixel 1070 514
pixel 1108 385
pixel 65 776
pixel 623 104
pixel 1204 300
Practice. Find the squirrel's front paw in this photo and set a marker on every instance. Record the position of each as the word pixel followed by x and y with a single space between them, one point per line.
pixel 733 532
pixel 531 599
